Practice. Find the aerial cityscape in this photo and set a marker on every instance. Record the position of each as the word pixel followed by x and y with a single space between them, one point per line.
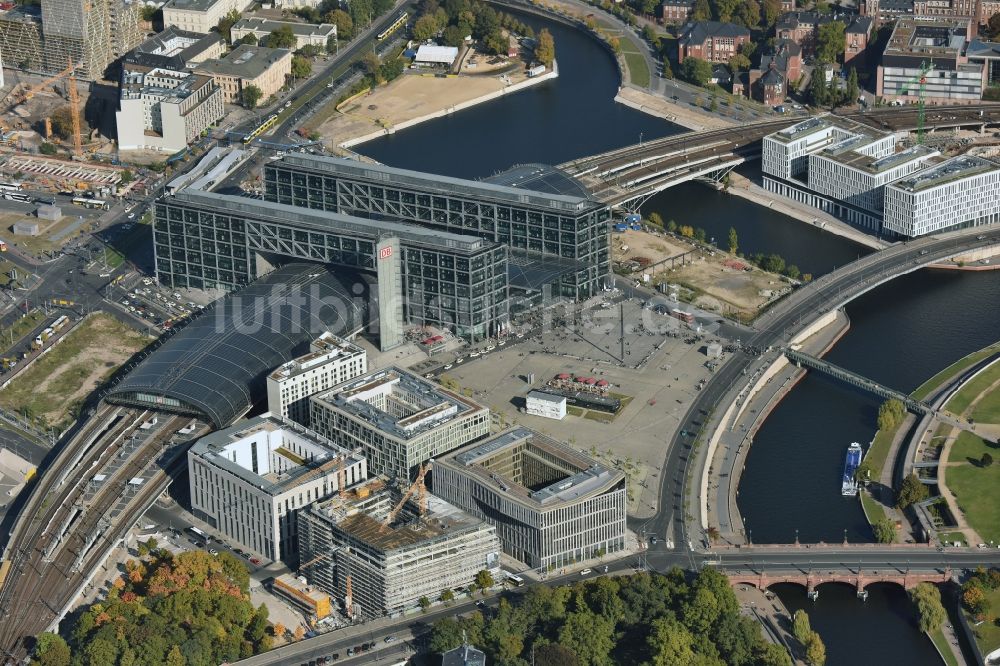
pixel 516 332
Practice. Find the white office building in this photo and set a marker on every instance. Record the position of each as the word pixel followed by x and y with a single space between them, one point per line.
pixel 199 15
pixel 306 34
pixel 398 419
pixel 164 109
pixel 785 154
pixel 960 192
pixel 330 361
pixel 546 405
pixel 249 481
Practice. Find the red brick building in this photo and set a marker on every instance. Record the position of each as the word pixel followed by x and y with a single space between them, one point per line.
pixel 711 41
pixel 769 83
pixel 857 34
pixel 676 11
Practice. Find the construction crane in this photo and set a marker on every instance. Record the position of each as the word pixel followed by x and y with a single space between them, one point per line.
pixel 418 487
pixel 342 478
pixel 74 100
pixel 312 561
pixel 920 82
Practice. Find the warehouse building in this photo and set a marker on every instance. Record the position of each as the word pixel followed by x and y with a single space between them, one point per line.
pixel 393 551
pixel 249 480
pixel 552 506
pixel 960 192
pixel 400 420
pixel 557 234
pixel 330 361
pixel 206 240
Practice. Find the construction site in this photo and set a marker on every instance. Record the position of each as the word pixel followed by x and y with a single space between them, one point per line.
pixel 382 549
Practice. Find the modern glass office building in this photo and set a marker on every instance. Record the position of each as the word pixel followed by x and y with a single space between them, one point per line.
pixel 536 210
pixel 205 240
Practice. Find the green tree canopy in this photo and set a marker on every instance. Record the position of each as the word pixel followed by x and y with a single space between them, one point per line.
pixel 225 25
pixel 341 19
pixel 911 491
pixel 696 71
pixel 281 38
pixel 301 67
pixel 545 48
pixel 801 628
pixel 249 38
pixel 251 96
pixel 51 650
pixel 815 650
pixel 927 598
pixel 890 414
pixel 734 241
pixel 884 529
pixel 830 41
pixel 484 580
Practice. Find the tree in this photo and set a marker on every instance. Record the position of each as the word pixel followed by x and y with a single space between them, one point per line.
pixel 47 148
pixel 545 48
pixel 591 637
pixel 699 235
pixel 447 596
pixel 175 658
pixel 671 643
pixel 986 460
pixel 801 627
pixel 341 19
pixel 649 34
pixel 885 530
pixel 149 12
pixel 852 86
pixel 974 599
pixel 772 11
pixel 299 633
pixel 251 96
pixel 739 63
pixel 911 491
pixel 249 38
pixel 301 67
pixel 864 471
pixel 453 36
pixel 815 650
pixel 361 13
pixel 554 654
pixel 817 87
pixel 890 414
pixel 793 271
pixel 425 28
pixel 701 11
pixel 51 650
pixel 734 241
pixel 772 654
pixel 62 122
pixel 696 71
pixel 484 580
pixel 279 630
pixel 993 26
pixel 830 41
pixel 748 13
pixel 927 598
pixel 281 38
pixel 225 25
pixel 672 226
pixel 655 219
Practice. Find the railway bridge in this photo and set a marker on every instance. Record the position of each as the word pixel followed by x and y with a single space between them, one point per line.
pixel 629 176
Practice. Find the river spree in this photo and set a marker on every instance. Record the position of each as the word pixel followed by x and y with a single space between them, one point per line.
pixel 901 333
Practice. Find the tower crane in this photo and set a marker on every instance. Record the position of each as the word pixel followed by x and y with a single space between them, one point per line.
pixel 74 100
pixel 920 82
pixel 415 487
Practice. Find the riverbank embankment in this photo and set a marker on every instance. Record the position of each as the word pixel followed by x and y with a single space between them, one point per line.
pixel 677 113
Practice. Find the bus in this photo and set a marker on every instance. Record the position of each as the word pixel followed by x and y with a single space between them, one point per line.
pixel 516 581
pixel 91 203
pixel 10 195
pixel 396 25
pixel 11 187
pixel 260 129
pixel 204 538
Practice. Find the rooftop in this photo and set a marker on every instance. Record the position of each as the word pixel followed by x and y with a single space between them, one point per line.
pixel 927 37
pixel 245 61
pixel 444 55
pixel 577 474
pixel 330 222
pixel 445 185
pixel 172 48
pixel 362 514
pixel 848 130
pixel 882 164
pixel 279 470
pixel 258 24
pixel 946 172
pixel 190 5
pixel 168 85
pixel 540 178
pixel 325 348
pixel 396 402
pixel 698 31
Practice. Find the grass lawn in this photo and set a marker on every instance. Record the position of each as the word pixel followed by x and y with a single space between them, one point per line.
pixel 941 643
pixel 988 633
pixel 987 410
pixel 20 328
pixel 573 410
pixel 968 445
pixel 599 416
pixel 873 510
pixel 949 537
pixel 977 491
pixel 924 389
pixel 55 384
pixel 879 450
pixel 961 400
pixel 638 71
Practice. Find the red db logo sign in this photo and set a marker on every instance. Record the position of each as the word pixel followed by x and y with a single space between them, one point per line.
pixel 385 252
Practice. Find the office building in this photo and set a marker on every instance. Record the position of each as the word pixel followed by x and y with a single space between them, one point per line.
pixel 557 234
pixel 199 15
pixel 711 40
pixel 248 65
pixel 936 42
pixel 393 550
pixel 546 405
pixel 960 192
pixel 551 505
pixel 851 184
pixel 306 34
pixel 165 109
pixel 330 361
pixel 214 241
pixel 986 54
pixel 249 480
pixel 398 419
pixel 785 154
pixel 176 49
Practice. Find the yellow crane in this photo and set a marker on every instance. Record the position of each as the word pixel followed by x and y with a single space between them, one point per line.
pixel 418 487
pixel 74 100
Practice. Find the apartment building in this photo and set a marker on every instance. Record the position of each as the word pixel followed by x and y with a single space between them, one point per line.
pixel 330 361
pixel 711 40
pixel 249 480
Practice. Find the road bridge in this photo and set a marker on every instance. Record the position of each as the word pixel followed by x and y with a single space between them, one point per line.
pixel 859 578
pixel 629 176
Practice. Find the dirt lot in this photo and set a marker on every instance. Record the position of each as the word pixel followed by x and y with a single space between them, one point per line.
pixel 718 283
pixel 408 97
pixel 66 229
pixel 52 388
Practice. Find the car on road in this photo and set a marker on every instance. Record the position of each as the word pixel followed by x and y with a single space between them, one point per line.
pixel 586 572
pixel 389 639
pixel 213 552
pixel 131 216
pixel 254 560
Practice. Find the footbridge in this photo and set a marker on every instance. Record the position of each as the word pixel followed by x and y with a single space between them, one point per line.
pixel 854 379
pixel 631 175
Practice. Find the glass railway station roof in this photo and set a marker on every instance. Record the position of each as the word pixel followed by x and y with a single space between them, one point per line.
pixel 215 367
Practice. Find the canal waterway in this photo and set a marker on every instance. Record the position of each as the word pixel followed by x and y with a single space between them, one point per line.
pixel 901 333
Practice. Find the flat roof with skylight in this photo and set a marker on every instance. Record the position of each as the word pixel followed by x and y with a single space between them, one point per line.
pixel 951 170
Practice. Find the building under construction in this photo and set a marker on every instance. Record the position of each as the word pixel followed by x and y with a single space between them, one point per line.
pixel 249 480
pixel 92 33
pixel 380 549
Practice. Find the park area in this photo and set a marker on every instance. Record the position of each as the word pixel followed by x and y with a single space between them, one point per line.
pixel 715 281
pixel 52 389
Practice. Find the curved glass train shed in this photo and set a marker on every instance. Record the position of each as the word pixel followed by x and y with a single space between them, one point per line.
pixel 216 366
